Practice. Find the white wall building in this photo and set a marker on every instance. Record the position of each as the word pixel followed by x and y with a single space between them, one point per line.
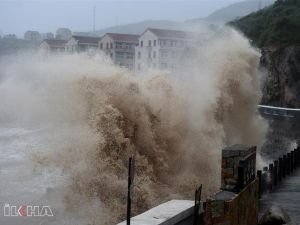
pixel 82 44
pixel 161 49
pixel 120 48
pixel 52 46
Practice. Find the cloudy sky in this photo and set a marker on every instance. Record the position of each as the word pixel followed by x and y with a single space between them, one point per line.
pixel 17 16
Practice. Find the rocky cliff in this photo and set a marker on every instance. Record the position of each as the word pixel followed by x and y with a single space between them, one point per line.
pixel 282 86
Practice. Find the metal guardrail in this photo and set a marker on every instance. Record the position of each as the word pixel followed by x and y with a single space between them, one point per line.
pixel 279 111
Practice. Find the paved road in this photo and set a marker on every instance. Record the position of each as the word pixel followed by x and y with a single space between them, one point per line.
pixel 287 196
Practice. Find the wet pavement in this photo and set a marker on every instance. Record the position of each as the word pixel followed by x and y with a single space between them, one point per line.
pixel 286 195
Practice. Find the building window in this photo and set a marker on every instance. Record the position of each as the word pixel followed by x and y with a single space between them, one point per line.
pixel 149 43
pixel 141 43
pixel 139 55
pixel 111 55
pixel 111 45
pixel 107 45
pixel 164 54
pixel 164 65
pixel 149 55
pixel 118 45
pixel 120 55
pixel 101 45
pixel 154 43
pixel 129 56
pixel 154 54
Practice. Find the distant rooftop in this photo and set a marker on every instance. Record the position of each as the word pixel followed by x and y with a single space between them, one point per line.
pixel 55 42
pixel 86 39
pixel 172 33
pixel 124 37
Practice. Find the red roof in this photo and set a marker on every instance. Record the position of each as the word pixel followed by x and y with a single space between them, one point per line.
pixel 124 37
pixel 172 33
pixel 86 39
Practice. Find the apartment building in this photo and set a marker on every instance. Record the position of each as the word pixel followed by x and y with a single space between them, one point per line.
pixel 161 49
pixel 120 48
pixel 32 35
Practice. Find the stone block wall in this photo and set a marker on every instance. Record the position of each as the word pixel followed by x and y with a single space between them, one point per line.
pixel 228 208
pixel 231 158
pixel 237 202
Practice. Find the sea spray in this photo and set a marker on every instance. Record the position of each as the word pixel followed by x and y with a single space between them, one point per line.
pixel 97 115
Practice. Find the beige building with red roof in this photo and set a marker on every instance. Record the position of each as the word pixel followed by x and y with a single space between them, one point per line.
pixel 120 48
pixel 162 49
pixel 53 45
pixel 82 44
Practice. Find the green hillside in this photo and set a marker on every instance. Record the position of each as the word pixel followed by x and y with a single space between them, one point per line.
pixel 278 24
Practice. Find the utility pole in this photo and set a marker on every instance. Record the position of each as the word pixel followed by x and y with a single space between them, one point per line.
pixel 131 166
pixel 259 5
pixel 94 24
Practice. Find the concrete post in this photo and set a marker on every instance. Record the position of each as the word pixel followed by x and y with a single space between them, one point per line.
pixel 288 164
pixel 298 149
pixel 284 166
pixel 275 179
pixel 259 175
pixel 292 161
pixel 298 156
pixel 271 172
pixel 280 171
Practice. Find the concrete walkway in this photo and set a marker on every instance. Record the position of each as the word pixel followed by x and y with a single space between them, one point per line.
pixel 285 195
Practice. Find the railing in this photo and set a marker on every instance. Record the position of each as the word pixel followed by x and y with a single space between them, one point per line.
pixel 197 206
pixel 272 175
pixel 246 171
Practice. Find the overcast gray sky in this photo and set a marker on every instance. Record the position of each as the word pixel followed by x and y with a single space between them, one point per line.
pixel 17 16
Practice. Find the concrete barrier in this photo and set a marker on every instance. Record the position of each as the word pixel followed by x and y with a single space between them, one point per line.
pixel 174 212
